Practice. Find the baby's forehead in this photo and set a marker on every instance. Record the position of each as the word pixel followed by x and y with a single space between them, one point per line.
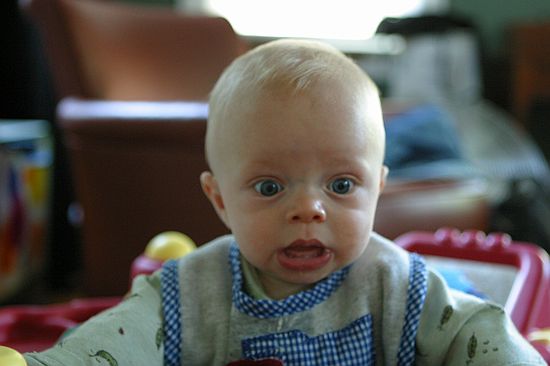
pixel 255 107
pixel 276 133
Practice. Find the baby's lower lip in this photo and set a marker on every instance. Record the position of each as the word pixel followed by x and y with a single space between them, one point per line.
pixel 304 256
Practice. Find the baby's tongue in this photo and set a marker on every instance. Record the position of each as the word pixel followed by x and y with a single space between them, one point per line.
pixel 303 252
pixel 304 257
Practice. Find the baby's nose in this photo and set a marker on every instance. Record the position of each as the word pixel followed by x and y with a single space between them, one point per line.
pixel 307 209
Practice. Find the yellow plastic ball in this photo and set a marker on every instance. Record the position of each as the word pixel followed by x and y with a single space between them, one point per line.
pixel 10 357
pixel 169 245
pixel 540 335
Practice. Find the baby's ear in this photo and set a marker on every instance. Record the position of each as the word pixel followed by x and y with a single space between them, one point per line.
pixel 211 189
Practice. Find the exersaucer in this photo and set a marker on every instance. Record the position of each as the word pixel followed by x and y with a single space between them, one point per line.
pixel 511 273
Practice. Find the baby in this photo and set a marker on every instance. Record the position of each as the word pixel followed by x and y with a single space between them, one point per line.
pixel 295 144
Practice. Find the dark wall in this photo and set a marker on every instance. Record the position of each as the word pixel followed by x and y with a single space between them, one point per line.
pixel 26 92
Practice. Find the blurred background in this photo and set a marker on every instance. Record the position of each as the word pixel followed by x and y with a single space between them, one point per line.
pixel 465 87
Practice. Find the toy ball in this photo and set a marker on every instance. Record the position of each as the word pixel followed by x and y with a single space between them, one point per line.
pixel 169 245
pixel 10 357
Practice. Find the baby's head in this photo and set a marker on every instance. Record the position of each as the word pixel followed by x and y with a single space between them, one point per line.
pixel 295 143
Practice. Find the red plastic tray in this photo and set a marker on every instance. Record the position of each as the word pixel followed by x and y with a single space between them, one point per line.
pixel 529 298
pixel 28 328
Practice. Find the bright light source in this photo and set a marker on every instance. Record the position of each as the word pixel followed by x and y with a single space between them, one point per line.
pixel 326 19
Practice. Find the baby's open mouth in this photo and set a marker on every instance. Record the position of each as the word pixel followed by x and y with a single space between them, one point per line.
pixel 304 255
pixel 304 251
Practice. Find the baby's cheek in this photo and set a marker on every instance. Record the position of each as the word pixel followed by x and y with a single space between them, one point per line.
pixel 348 250
pixel 355 237
pixel 356 227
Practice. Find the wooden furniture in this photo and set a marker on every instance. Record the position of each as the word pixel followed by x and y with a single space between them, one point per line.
pixel 530 59
pixel 431 204
pixel 136 170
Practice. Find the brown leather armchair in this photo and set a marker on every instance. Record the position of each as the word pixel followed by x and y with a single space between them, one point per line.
pixel 112 50
pixel 136 168
pixel 107 50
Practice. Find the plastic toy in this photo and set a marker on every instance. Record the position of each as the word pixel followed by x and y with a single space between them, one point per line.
pixel 10 357
pixel 164 246
pixel 528 293
pixel 33 328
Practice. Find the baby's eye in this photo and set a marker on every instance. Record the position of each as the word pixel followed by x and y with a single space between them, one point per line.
pixel 341 185
pixel 268 187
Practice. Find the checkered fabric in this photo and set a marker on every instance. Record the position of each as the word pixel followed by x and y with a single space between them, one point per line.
pixel 265 309
pixel 352 345
pixel 171 307
pixel 418 279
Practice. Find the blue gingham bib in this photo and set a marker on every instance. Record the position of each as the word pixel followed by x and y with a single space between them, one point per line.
pixel 353 343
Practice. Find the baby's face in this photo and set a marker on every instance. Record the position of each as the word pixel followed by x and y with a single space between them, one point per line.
pixel 297 182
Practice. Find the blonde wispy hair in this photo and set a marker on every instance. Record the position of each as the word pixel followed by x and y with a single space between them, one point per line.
pixel 290 65
pixel 296 64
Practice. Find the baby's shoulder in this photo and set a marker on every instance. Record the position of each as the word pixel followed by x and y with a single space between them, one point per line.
pixel 213 251
pixel 383 255
pixel 208 260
